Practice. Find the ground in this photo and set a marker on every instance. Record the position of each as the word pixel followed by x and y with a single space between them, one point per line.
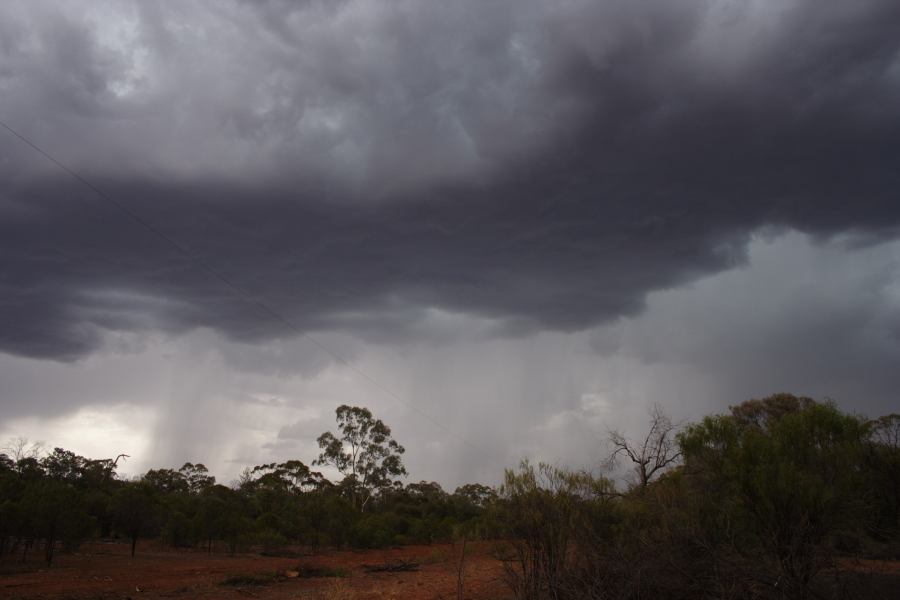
pixel 107 572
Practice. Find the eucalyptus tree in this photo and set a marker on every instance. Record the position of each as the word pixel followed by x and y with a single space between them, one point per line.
pixel 363 451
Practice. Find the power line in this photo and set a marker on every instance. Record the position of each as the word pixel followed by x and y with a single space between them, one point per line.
pixel 242 293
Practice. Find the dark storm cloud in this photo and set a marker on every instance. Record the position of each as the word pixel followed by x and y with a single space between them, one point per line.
pixel 356 164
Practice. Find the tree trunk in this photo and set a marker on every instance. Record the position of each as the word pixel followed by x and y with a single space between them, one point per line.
pixel 51 539
pixel 134 539
pixel 461 570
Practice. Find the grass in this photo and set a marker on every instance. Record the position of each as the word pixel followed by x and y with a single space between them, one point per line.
pixel 339 590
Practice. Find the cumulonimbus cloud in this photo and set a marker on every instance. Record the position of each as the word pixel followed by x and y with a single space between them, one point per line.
pixel 354 164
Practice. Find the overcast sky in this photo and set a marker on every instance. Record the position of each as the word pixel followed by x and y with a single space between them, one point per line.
pixel 503 226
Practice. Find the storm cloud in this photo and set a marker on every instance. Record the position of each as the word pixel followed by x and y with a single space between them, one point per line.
pixel 395 172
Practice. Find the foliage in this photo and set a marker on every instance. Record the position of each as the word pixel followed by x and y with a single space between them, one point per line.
pixel 542 509
pixel 134 507
pixel 788 474
pixel 882 462
pixel 765 500
pixel 59 498
pixel 363 451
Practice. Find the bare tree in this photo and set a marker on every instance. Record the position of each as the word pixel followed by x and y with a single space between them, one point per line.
pixel 19 448
pixel 886 431
pixel 25 455
pixel 658 450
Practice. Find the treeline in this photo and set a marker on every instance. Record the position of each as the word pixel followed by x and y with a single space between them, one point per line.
pixel 63 499
pixel 765 501
pixel 59 500
pixel 773 500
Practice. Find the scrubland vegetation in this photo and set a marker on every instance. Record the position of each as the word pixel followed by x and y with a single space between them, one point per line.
pixel 778 498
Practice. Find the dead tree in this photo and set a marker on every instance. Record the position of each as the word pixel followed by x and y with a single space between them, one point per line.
pixel 658 450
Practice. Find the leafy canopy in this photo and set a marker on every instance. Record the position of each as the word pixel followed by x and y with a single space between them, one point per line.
pixel 363 451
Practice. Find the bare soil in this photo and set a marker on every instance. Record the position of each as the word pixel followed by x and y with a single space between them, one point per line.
pixel 107 572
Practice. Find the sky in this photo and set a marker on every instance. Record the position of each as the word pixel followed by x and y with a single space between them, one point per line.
pixel 506 227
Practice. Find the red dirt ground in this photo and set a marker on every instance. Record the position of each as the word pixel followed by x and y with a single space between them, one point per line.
pixel 107 572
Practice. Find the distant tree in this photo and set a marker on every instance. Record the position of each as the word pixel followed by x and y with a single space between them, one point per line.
pixel 885 431
pixel 429 491
pixel 476 494
pixel 135 507
pixel 7 465
pixel 64 465
pixel 25 457
pixel 213 514
pixel 652 455
pixel 363 451
pixel 57 514
pixel 292 476
pixel 166 481
pixel 97 474
pixel 197 477
pixel 472 504
pixel 20 448
pixel 235 526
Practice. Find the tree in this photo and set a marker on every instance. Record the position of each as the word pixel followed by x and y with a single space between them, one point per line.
pixel 291 476
pixel 166 481
pixel 476 494
pixel 543 511
pixel 885 431
pixel 57 514
pixel 64 465
pixel 363 451
pixel 197 477
pixel 883 461
pixel 657 452
pixel 134 507
pixel 25 457
pixel 212 514
pixel 19 448
pixel 786 473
